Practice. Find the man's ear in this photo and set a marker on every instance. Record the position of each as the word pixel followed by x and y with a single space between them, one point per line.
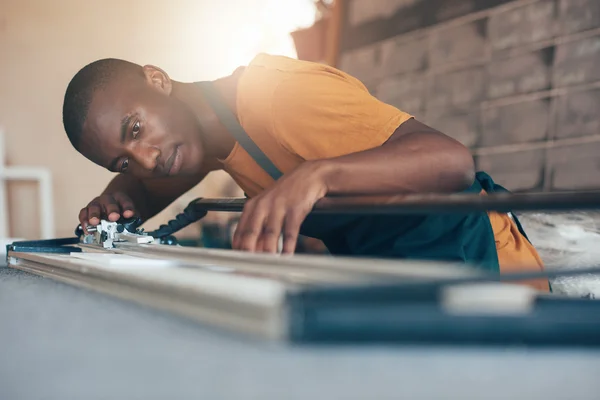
pixel 158 79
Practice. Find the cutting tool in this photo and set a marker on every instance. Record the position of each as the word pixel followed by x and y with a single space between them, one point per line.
pixel 106 233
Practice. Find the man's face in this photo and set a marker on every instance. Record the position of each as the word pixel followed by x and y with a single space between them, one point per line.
pixel 133 126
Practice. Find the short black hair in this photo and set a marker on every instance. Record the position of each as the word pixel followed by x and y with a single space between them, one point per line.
pixel 83 86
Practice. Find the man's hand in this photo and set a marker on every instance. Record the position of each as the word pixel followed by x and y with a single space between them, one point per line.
pixel 107 206
pixel 280 209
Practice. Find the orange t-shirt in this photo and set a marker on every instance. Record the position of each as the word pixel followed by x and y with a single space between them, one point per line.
pixel 297 110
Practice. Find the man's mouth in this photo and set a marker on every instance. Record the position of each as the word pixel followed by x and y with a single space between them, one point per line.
pixel 174 162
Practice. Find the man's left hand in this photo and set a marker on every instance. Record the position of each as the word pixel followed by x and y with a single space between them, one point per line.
pixel 280 209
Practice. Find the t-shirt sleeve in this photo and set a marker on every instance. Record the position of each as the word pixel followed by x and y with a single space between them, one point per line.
pixel 329 114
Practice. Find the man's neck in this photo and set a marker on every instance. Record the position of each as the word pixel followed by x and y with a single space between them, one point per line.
pixel 218 142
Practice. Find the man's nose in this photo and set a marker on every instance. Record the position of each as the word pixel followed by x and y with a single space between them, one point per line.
pixel 146 156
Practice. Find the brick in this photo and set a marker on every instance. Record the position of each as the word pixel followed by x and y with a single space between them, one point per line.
pixel 577 62
pixel 456 88
pixel 363 63
pixel 401 56
pixel 516 123
pixel 444 10
pixel 517 75
pixel 465 42
pixel 577 114
pixel 528 24
pixel 579 15
pixel 401 5
pixel 363 11
pixel 575 167
pixel 463 124
pixel 407 93
pixel 408 16
pixel 516 171
pixel 449 9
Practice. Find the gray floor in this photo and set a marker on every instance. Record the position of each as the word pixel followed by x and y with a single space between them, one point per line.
pixel 60 342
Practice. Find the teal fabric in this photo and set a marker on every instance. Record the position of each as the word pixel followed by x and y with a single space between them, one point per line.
pixel 459 237
pixel 464 238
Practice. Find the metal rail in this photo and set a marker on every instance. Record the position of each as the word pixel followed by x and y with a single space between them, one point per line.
pixel 433 203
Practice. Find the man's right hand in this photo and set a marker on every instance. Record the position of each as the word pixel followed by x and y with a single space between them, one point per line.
pixel 109 206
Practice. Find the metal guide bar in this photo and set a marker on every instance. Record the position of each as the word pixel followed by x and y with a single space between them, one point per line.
pixel 433 203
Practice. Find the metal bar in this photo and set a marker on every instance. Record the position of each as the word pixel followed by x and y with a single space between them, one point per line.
pixel 433 203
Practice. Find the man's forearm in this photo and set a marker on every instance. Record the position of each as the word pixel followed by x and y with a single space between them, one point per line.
pixel 135 189
pixel 151 196
pixel 413 163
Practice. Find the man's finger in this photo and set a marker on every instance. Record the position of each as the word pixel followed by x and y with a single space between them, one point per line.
pixel 84 219
pixel 252 228
pixel 125 203
pixel 291 230
pixel 272 231
pixel 94 213
pixel 111 207
pixel 260 243
pixel 246 213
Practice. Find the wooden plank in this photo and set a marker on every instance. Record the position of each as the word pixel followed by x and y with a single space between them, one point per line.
pixel 237 303
pixel 237 291
pixel 323 269
pixel 377 309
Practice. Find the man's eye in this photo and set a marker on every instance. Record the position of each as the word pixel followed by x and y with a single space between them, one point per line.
pixel 136 129
pixel 124 165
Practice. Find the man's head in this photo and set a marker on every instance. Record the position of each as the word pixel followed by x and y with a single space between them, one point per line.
pixel 122 117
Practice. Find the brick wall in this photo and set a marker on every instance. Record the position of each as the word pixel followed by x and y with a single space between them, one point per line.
pixel 516 81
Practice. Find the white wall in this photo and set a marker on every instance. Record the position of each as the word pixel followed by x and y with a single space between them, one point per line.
pixel 44 42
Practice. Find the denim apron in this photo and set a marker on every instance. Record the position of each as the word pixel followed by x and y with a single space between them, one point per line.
pixel 455 237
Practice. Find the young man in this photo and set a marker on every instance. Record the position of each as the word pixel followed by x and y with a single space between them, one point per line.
pixel 317 125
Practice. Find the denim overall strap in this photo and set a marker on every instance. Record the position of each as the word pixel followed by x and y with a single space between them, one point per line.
pixel 229 120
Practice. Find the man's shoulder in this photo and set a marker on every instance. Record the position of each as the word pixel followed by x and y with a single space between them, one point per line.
pixel 284 64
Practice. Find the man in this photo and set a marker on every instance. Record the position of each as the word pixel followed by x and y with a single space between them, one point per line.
pixel 317 125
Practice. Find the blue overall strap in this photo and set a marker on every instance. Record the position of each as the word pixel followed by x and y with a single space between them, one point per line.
pixel 229 120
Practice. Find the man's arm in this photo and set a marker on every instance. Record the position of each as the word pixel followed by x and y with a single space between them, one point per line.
pixel 415 159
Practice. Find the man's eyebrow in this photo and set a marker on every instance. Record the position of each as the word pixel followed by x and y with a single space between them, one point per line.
pixel 124 126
